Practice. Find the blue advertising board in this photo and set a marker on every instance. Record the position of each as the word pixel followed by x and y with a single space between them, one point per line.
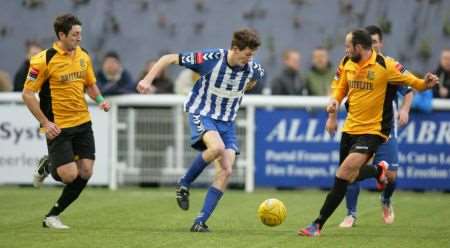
pixel 293 150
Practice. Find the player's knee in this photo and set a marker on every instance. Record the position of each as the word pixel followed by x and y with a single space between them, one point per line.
pixel 68 173
pixel 227 172
pixel 85 173
pixel 348 168
pixel 217 151
pixel 68 176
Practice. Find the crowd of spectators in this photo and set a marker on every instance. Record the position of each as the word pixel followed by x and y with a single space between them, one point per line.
pixel 292 79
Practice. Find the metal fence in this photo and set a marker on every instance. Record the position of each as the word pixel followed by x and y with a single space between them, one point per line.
pixel 153 146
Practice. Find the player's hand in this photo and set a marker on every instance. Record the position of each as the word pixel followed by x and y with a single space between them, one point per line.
pixel 332 106
pixel 403 117
pixel 145 87
pixel 51 130
pixel 431 80
pixel 105 106
pixel 331 125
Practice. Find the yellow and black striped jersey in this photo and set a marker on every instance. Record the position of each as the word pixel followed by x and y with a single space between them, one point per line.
pixel 370 87
pixel 61 78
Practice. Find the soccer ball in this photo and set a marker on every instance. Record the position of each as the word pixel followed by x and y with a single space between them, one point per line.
pixel 272 212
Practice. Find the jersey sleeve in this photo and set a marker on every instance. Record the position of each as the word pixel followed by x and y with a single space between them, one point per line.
pixel 339 85
pixel 398 74
pixel 37 72
pixel 200 61
pixel 90 73
pixel 258 72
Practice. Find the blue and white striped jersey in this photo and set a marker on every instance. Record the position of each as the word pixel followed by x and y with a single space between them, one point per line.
pixel 219 91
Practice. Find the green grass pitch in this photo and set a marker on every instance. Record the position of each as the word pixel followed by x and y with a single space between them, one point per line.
pixel 149 217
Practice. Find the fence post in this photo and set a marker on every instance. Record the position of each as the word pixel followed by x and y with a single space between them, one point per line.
pixel 113 146
pixel 250 143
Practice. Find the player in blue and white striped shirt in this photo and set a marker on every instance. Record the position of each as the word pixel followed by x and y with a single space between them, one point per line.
pixel 212 106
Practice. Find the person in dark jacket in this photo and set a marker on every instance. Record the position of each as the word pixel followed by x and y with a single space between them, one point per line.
pixel 32 48
pixel 289 80
pixel 442 90
pixel 113 79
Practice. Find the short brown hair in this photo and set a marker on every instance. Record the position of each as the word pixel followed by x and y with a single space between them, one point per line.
pixel 64 23
pixel 244 38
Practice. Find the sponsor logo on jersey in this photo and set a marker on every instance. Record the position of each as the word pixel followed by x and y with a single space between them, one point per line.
pixel 33 74
pixel 199 58
pixel 401 68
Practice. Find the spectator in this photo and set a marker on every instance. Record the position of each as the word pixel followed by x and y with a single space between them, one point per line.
pixel 5 82
pixel 113 79
pixel 289 81
pixel 442 90
pixel 32 48
pixel 319 77
pixel 161 84
pixel 184 82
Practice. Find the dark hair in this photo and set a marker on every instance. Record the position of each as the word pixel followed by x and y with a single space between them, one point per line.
pixel 244 38
pixel 373 30
pixel 362 37
pixel 111 54
pixel 64 23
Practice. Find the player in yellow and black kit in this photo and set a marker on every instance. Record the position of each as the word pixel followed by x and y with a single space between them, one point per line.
pixel 363 78
pixel 62 74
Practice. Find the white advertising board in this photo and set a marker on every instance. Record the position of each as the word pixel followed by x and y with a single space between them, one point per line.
pixel 21 145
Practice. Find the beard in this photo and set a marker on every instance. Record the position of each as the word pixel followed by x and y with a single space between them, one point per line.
pixel 356 58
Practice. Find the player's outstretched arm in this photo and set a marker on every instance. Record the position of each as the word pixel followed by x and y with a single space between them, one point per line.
pixel 145 85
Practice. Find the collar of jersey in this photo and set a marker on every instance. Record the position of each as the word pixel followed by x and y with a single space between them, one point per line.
pixel 370 61
pixel 61 51
pixel 236 67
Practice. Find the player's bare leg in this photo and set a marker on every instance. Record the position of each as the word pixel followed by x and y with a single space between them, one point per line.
pixel 224 166
pixel 215 149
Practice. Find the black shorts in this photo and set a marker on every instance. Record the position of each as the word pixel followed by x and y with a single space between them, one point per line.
pixel 359 143
pixel 71 144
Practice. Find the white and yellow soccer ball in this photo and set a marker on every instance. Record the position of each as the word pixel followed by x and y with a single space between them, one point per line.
pixel 272 212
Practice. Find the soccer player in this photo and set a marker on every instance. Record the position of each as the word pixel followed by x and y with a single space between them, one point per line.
pixel 212 106
pixel 369 80
pixel 386 152
pixel 61 75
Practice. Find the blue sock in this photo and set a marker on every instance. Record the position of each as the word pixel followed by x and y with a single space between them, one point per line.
pixel 212 198
pixel 387 193
pixel 352 198
pixel 198 165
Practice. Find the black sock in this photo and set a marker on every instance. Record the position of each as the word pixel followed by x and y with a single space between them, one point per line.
pixel 70 193
pixel 388 192
pixel 367 171
pixel 332 201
